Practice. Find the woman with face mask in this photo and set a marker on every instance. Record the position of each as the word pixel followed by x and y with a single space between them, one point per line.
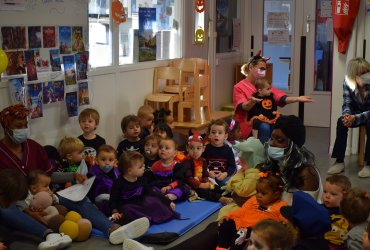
pixel 355 112
pixel 243 96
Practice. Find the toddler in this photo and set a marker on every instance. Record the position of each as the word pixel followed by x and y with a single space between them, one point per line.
pixel 89 120
pixel 335 188
pixel 130 126
pixel 151 149
pixel 167 175
pixel 266 204
pixel 105 171
pixel 219 156
pixel 163 130
pixel 163 115
pixel 131 198
pixel 264 109
pixel 233 139
pixel 146 117
pixel 196 174
pixel 355 207
pixel 366 238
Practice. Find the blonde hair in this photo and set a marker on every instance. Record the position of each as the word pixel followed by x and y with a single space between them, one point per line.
pixel 252 62
pixel 261 83
pixel 69 145
pixel 89 112
pixel 356 67
pixel 145 110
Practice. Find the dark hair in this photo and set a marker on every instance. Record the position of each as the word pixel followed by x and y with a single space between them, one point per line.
pixel 89 112
pixel 273 180
pixel 13 186
pixel 160 115
pixel 127 119
pixel 355 206
pixel 232 127
pixel 165 128
pixel 126 159
pixel 33 176
pixel 153 137
pixel 341 181
pixel 218 122
pixel 169 139
pixel 106 148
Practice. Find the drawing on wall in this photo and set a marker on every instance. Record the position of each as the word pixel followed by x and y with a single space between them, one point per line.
pixel 34 37
pixel 71 102
pixel 14 37
pixel 35 104
pixel 48 36
pixel 77 39
pixel 147 38
pixel 30 65
pixel 16 64
pixel 16 91
pixel 65 39
pixel 82 60
pixel 83 94
pixel 55 60
pixel 42 64
pixel 53 91
pixel 69 69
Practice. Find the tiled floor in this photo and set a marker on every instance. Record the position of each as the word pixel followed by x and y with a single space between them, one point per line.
pixel 317 141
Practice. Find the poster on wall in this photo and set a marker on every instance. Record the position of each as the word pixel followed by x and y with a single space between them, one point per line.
pixel 83 94
pixel 42 62
pixel 16 64
pixel 30 65
pixel 14 37
pixel 82 60
pixel 77 39
pixel 53 92
pixel 35 103
pixel 34 37
pixel 55 60
pixel 65 39
pixel 69 69
pixel 48 36
pixel 17 91
pixel 71 102
pixel 147 38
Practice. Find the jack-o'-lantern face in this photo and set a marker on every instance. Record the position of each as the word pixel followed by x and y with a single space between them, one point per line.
pixel 199 6
pixel 199 36
pixel 266 104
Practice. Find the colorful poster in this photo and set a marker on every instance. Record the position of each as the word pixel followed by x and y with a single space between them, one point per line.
pixel 16 91
pixel 16 64
pixel 147 39
pixel 71 102
pixel 69 69
pixel 35 100
pixel 53 92
pixel 77 39
pixel 82 60
pixel 55 60
pixel 41 63
pixel 34 37
pixel 83 94
pixel 30 65
pixel 48 36
pixel 14 37
pixel 65 39
pixel 164 11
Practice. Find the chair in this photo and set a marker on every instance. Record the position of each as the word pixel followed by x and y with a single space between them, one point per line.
pixel 168 75
pixel 188 68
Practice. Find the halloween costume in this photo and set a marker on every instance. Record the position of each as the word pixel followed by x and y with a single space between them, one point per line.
pixel 263 111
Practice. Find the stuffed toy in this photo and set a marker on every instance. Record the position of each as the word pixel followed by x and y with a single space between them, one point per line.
pixel 76 227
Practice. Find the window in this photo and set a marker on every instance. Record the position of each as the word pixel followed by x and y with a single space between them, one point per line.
pixel 151 32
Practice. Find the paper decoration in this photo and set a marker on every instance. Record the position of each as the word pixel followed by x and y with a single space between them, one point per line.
pixel 199 36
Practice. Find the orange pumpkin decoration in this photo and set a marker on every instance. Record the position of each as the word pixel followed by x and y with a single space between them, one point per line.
pixel 267 104
pixel 199 6
pixel 118 12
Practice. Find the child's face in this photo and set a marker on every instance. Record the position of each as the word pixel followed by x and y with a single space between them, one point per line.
pixel 161 133
pixel 137 169
pixel 132 131
pixel 265 91
pixel 238 134
pixel 88 125
pixel 43 183
pixel 195 149
pixel 265 195
pixel 366 241
pixel 106 160
pixel 151 147
pixel 333 195
pixel 256 242
pixel 76 156
pixel 167 150
pixel 146 120
pixel 217 135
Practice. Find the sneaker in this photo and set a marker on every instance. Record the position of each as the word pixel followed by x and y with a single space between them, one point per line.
pixel 55 241
pixel 129 244
pixel 132 230
pixel 365 172
pixel 337 168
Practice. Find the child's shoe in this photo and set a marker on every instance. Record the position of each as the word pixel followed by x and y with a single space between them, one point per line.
pixel 365 172
pixel 55 241
pixel 129 244
pixel 132 230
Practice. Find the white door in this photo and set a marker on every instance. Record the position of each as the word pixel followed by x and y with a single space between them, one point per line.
pixel 288 35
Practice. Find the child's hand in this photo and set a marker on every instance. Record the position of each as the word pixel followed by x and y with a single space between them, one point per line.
pixel 165 189
pixel 221 176
pixel 173 206
pixel 79 177
pixel 2 246
pixel 213 174
pixel 206 185
pixel 116 216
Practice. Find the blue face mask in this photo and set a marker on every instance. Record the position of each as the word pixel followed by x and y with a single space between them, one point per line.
pixel 275 153
pixel 365 78
pixel 20 135
pixel 107 168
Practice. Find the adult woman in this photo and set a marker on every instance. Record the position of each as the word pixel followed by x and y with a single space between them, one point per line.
pixel 244 101
pixel 23 154
pixel 355 112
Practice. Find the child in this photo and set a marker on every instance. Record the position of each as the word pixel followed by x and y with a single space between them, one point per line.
pixel 146 117
pixel 130 126
pixel 163 130
pixel 266 204
pixel 196 174
pixel 131 198
pixel 151 149
pixel 167 174
pixel 335 188
pixel 355 207
pixel 105 172
pixel 366 238
pixel 265 107
pixel 163 115
pixel 233 139
pixel 272 235
pixel 219 156
pixel 89 120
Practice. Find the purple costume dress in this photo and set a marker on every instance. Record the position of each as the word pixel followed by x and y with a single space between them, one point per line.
pixel 135 200
pixel 99 192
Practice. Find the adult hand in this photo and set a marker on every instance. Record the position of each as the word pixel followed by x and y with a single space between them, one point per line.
pixel 304 98
pixel 2 246
pixel 348 120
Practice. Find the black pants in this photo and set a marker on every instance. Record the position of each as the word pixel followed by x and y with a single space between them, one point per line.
pixel 227 235
pixel 211 195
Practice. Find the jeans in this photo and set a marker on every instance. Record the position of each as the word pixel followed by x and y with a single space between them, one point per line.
pixel 264 132
pixel 340 144
pixel 88 211
pixel 14 218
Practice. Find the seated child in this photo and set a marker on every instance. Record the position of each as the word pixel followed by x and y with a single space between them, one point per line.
pixel 105 172
pixel 163 115
pixel 233 139
pixel 167 175
pixel 234 227
pixel 196 174
pixel 146 117
pixel 335 188
pixel 130 126
pixel 131 199
pixel 89 120
pixel 151 149
pixel 355 207
pixel 219 156
pixel 264 109
pixel 163 130
pixel 366 238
